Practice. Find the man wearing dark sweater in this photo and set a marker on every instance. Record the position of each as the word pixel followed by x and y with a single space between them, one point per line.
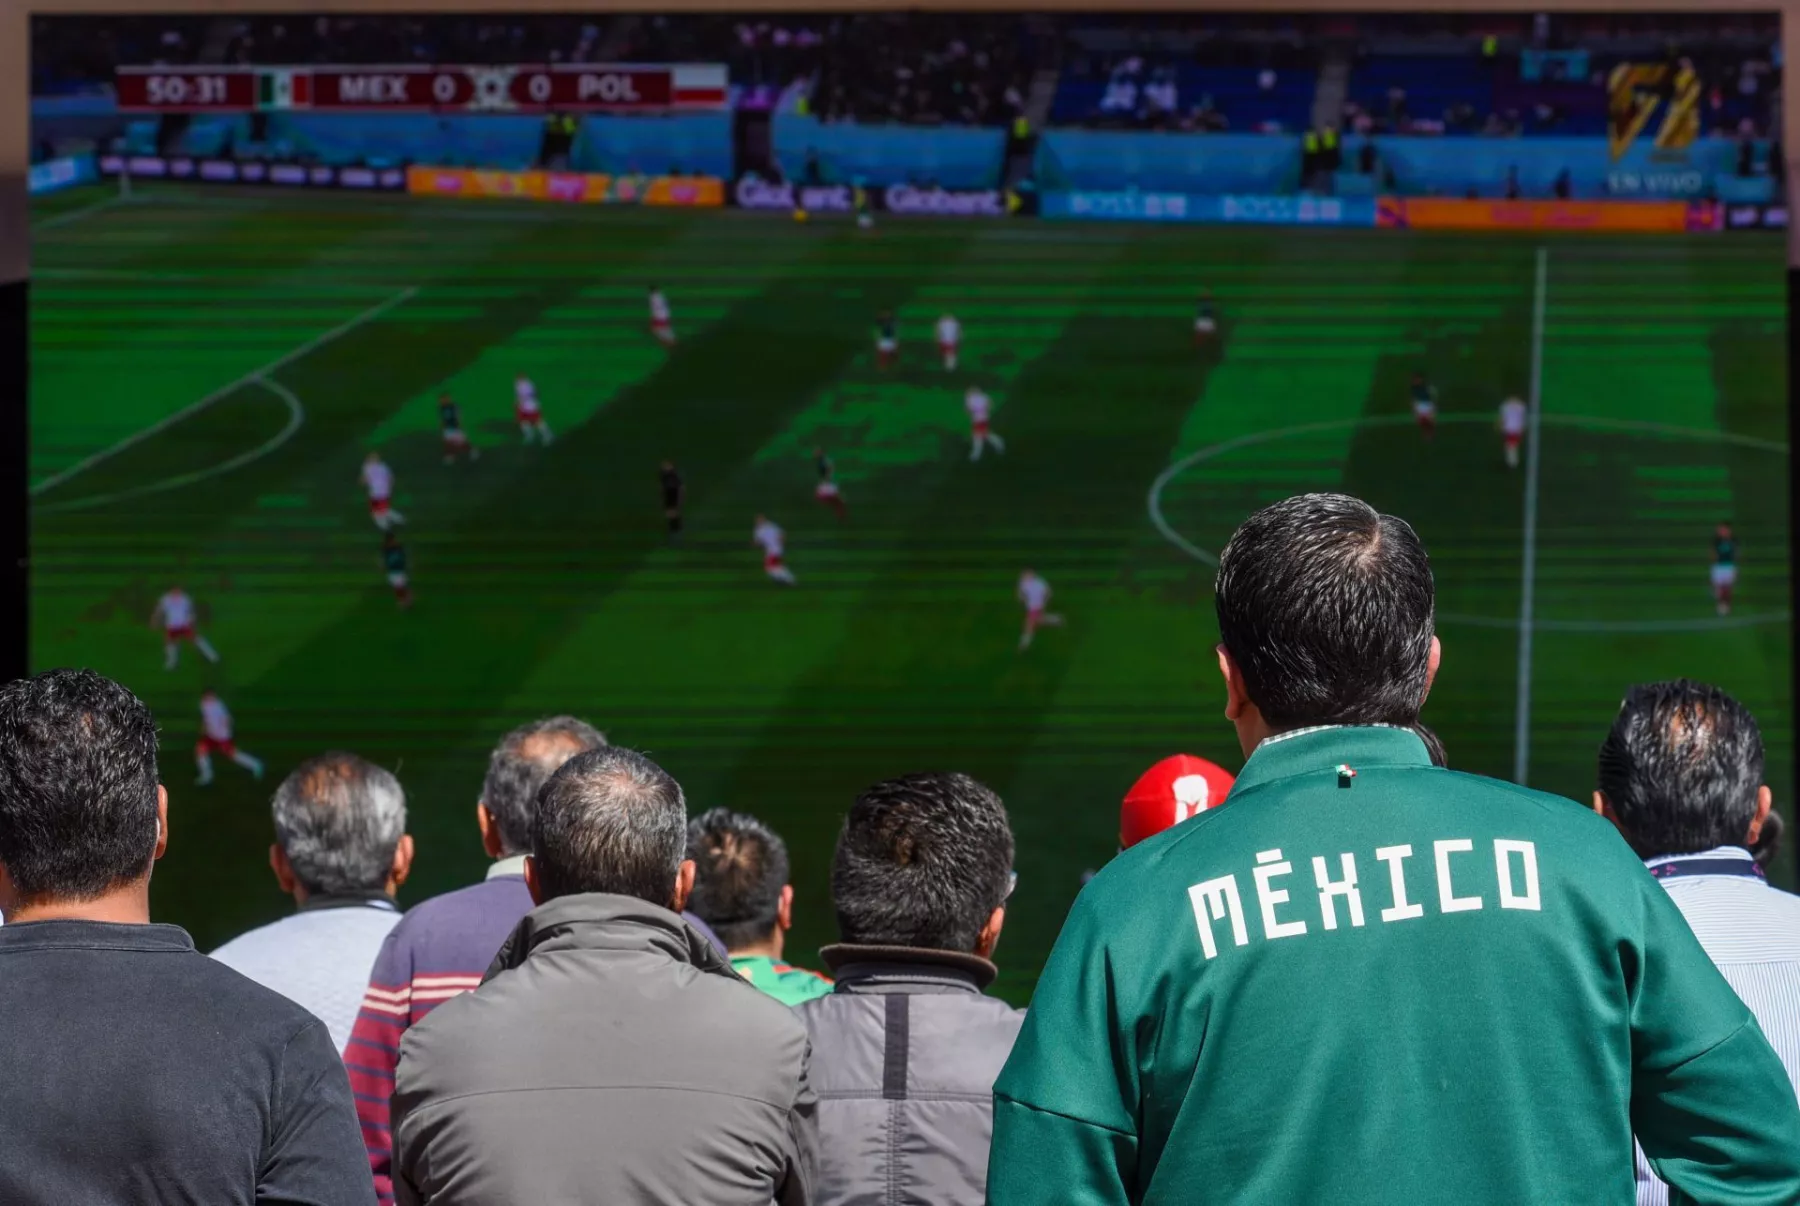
pixel 135 1069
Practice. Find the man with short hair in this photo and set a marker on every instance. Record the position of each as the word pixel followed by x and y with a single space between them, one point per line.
pixel 341 851
pixel 741 890
pixel 1367 979
pixel 135 1069
pixel 906 1049
pixel 1681 776
pixel 612 1055
pixel 443 946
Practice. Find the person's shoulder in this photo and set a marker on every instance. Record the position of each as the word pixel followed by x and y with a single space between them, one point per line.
pixel 505 894
pixel 800 983
pixel 253 945
pixel 244 1009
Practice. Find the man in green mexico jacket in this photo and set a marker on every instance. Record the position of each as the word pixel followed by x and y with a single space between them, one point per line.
pixel 1364 979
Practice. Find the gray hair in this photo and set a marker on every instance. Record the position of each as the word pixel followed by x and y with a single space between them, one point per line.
pixel 521 764
pixel 610 820
pixel 338 818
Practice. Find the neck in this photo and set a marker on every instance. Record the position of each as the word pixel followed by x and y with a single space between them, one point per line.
pixel 768 948
pixel 128 905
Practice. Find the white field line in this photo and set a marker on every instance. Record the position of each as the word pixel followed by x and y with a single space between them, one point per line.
pixel 1528 556
pixel 255 375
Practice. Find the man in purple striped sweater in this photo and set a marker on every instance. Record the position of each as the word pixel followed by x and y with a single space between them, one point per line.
pixel 443 945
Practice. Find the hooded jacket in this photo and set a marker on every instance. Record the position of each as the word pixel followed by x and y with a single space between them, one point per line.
pixel 610 1056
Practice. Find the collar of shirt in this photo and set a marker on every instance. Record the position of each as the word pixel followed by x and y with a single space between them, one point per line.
pixel 349 900
pixel 1720 860
pixel 513 864
pixel 1327 747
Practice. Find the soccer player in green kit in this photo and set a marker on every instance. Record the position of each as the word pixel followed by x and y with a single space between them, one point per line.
pixel 1366 980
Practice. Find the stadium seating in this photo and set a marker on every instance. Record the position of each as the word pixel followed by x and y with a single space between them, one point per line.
pixel 1237 93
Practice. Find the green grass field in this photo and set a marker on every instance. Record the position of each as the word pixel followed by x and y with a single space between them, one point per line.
pixel 545 584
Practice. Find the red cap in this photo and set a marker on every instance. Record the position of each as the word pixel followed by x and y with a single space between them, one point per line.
pixel 1168 793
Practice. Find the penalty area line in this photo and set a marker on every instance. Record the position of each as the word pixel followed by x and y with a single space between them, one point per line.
pixel 254 376
pixel 1528 554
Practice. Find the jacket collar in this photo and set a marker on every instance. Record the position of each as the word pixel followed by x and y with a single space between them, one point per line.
pixel 885 968
pixel 598 921
pixel 1327 747
pixel 94 936
pixel 349 900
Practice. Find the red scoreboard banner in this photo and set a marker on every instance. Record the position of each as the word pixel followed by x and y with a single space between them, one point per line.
pixel 534 88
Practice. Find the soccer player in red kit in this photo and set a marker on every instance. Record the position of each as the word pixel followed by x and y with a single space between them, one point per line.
pixel 379 480
pixel 662 321
pixel 529 412
pixel 1034 593
pixel 176 611
pixel 981 432
pixel 774 543
pixel 216 738
pixel 949 336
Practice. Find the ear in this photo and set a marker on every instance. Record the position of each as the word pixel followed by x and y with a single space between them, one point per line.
pixel 1236 697
pixel 784 908
pixel 1604 807
pixel 989 938
pixel 1431 667
pixel 684 885
pixel 284 870
pixel 1765 800
pixel 402 865
pixel 490 830
pixel 162 822
pixel 531 881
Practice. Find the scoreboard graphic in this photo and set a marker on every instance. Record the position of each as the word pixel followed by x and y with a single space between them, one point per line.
pixel 412 88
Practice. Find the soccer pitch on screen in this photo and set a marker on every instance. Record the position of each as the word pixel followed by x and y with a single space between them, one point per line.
pixel 210 368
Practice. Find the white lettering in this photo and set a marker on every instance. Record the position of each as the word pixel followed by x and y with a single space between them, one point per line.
pixel 1268 897
pixel 1345 887
pixel 443 88
pixel 1213 901
pixel 539 88
pixel 1511 897
pixel 609 86
pixel 356 88
pixel 1448 901
pixel 1401 910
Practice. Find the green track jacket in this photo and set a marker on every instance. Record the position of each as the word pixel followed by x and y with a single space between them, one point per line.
pixel 1367 980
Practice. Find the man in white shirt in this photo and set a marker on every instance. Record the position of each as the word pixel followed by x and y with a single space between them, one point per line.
pixel 1513 420
pixel 341 851
pixel 1681 775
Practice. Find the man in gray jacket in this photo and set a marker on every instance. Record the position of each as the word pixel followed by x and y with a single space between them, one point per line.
pixel 612 1055
pixel 906 1049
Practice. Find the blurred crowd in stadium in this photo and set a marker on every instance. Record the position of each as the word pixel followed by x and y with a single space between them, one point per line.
pixel 1501 75
pixel 612 1013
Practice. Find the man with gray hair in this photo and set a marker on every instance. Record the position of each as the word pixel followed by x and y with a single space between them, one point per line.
pixel 1681 777
pixel 612 1054
pixel 341 851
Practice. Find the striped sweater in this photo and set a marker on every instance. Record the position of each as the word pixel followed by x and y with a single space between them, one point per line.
pixel 442 947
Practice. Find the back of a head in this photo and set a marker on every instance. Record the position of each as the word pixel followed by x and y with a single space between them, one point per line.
pixel 1326 606
pixel 923 861
pixel 522 763
pixel 338 819
pixel 610 820
pixel 78 782
pixel 1680 768
pixel 740 868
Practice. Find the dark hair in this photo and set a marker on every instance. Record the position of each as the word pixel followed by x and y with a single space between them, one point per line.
pixel 922 861
pixel 740 868
pixel 1326 607
pixel 1681 767
pixel 1434 745
pixel 521 764
pixel 610 820
pixel 77 785
pixel 338 818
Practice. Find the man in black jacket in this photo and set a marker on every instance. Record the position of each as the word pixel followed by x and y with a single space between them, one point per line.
pixel 134 1069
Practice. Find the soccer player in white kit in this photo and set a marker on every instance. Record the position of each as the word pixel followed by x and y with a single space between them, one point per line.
pixel 529 413
pixel 774 543
pixel 981 434
pixel 378 479
pixel 949 333
pixel 1034 593
pixel 175 611
pixel 661 320
pixel 1512 429
pixel 215 738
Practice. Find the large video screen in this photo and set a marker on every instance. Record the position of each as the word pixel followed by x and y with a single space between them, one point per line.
pixel 722 380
